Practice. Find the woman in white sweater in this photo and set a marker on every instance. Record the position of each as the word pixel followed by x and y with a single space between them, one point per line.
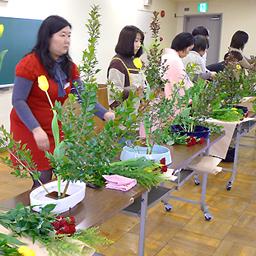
pixel 195 57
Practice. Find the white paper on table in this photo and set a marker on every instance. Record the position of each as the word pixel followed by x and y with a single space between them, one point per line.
pixel 220 148
pixel 205 164
pixel 247 102
pixel 169 175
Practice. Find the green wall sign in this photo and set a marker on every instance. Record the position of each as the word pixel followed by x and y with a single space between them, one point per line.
pixel 202 7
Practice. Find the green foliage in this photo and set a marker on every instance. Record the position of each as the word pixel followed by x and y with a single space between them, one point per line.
pixel 166 136
pixel 80 243
pixel 8 245
pixel 155 69
pixel 146 172
pixel 85 155
pixel 233 84
pixel 155 110
pixel 228 114
pixel 22 221
pixel 24 164
pixel 193 107
pixel 68 247
pixel 92 237
pixel 88 69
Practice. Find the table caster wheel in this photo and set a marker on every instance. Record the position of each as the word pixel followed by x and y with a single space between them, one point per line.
pixel 168 207
pixel 197 182
pixel 207 216
pixel 229 186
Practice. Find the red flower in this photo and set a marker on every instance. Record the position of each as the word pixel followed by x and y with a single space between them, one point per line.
pixel 163 161
pixel 201 140
pixel 191 141
pixel 163 165
pixel 64 225
pixel 56 225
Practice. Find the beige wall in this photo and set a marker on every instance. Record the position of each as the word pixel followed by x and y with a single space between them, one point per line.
pixel 236 15
pixel 115 15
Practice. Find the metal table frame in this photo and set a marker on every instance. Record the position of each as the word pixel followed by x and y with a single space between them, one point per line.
pixel 242 129
pixel 180 183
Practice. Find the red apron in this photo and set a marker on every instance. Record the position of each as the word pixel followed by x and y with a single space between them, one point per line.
pixel 30 68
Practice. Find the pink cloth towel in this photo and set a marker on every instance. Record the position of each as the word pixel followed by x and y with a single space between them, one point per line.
pixel 119 182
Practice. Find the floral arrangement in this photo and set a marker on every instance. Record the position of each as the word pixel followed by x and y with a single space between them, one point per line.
pixel 84 155
pixel 155 110
pixel 57 234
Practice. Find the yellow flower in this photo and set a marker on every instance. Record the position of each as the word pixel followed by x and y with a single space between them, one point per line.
pixel 238 67
pixel 43 83
pixel 26 251
pixel 234 109
pixel 137 63
pixel 148 169
pixel 1 29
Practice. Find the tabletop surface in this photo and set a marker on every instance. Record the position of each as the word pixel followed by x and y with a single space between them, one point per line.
pixel 101 204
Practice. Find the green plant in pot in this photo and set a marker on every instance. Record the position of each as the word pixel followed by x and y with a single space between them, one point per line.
pixel 194 107
pixel 154 110
pixel 231 85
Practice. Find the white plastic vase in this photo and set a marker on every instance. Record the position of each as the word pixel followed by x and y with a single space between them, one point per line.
pixel 76 192
pixel 158 152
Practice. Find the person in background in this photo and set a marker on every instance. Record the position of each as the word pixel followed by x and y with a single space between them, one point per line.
pixel 195 56
pixel 202 31
pixel 124 71
pixel 235 50
pixel 172 59
pixel 31 114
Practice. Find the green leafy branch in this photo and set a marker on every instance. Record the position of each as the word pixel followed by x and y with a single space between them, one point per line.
pixel 23 165
pixel 24 222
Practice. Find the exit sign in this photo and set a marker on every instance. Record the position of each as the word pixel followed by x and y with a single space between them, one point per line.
pixel 202 7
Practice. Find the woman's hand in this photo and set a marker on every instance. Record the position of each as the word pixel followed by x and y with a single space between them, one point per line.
pixel 41 138
pixel 140 92
pixel 109 116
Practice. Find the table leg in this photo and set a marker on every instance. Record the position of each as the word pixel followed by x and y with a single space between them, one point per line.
pixel 234 167
pixel 143 215
pixel 204 207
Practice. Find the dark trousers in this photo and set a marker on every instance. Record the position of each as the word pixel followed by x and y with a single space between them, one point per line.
pixel 217 67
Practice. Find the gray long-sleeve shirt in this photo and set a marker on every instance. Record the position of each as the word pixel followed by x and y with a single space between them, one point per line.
pixel 21 90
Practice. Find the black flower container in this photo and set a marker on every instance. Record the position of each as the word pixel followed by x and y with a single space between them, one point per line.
pixel 199 131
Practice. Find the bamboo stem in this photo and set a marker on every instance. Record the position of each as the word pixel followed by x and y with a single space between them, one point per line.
pixel 30 172
pixel 59 185
pixel 65 189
